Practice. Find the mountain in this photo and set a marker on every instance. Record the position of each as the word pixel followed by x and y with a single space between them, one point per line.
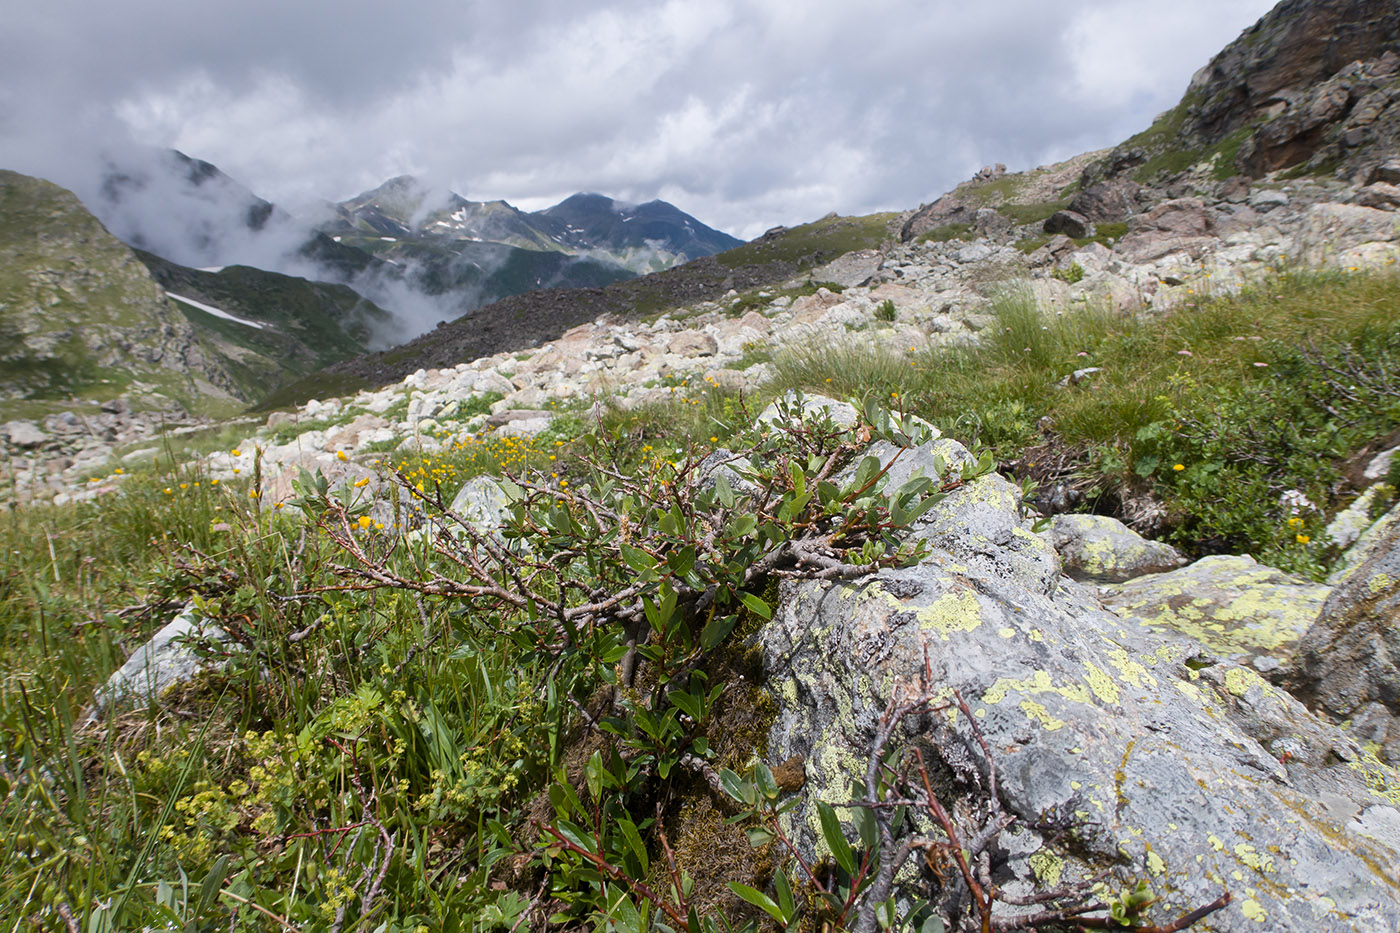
pixel 83 316
pixel 644 238
pixel 595 222
pixel 1312 88
pixel 271 328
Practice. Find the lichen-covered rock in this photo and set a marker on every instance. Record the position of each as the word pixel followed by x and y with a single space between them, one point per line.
pixel 842 413
pixel 170 657
pixel 1100 548
pixel 1363 547
pixel 1197 776
pixel 1348 663
pixel 1236 607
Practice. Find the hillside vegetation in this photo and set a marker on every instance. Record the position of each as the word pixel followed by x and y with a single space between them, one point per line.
pixel 403 736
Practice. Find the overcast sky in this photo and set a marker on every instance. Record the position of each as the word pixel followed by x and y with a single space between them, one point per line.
pixel 746 113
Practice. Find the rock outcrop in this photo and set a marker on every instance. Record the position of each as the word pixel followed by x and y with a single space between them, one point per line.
pixel 1348 663
pixel 1191 772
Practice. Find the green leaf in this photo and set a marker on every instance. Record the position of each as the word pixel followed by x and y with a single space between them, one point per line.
pixel 681 562
pixel 866 826
pixel 209 887
pixel 758 899
pixel 593 775
pixel 785 899
pixel 734 785
pixel 756 605
pixel 758 836
pixel 688 703
pixel 865 473
pixel 723 490
pixel 835 839
pixel 639 560
pixel 764 779
pixel 575 835
pixel 634 842
pixel 716 630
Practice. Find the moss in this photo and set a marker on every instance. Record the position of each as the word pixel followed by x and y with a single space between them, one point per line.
pixel 713 852
pixel 1030 213
pixel 944 233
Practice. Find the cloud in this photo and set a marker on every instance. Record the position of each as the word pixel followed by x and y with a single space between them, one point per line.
pixel 746 113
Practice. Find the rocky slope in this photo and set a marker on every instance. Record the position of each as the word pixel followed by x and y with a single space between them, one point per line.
pixel 82 316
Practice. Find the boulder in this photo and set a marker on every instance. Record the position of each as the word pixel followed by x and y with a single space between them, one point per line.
pixel 1382 195
pixel 481 503
pixel 1070 223
pixel 1388 172
pixel 1235 607
pixel 853 269
pixel 1103 549
pixel 1195 775
pixel 172 656
pixel 1179 225
pixel 842 413
pixel 693 343
pixel 1348 663
pixel 25 435
pixel 1107 202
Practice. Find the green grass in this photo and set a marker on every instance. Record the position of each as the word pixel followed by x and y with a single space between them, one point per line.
pixel 945 233
pixel 445 723
pixel 1231 388
pixel 814 243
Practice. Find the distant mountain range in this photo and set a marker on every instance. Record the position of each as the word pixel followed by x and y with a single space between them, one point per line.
pixel 425 255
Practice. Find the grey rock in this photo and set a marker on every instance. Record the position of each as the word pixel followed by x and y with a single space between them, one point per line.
pixel 1107 202
pixel 1352 522
pixel 974 252
pixel 990 222
pixel 518 414
pixel 693 343
pixel 1070 223
pixel 1387 172
pixel 1234 606
pixel 1381 195
pixel 1351 655
pixel 1380 464
pixel 720 462
pixel 1266 199
pixel 1172 769
pixel 842 413
pixel 851 270
pixel 24 434
pixel 481 503
pixel 169 658
pixel 1103 549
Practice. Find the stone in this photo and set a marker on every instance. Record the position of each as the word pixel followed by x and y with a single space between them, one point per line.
pixel 850 270
pixel 842 413
pixel 1071 223
pixel 170 657
pixel 1266 199
pixel 481 503
pixel 1103 549
pixel 1381 195
pixel 990 222
pixel 1237 608
pixel 1352 522
pixel 1171 762
pixel 1107 202
pixel 974 252
pixel 1388 172
pixel 25 435
pixel 1379 466
pixel 1178 225
pixel 1350 657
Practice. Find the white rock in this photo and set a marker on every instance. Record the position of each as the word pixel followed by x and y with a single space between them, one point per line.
pixel 167 659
